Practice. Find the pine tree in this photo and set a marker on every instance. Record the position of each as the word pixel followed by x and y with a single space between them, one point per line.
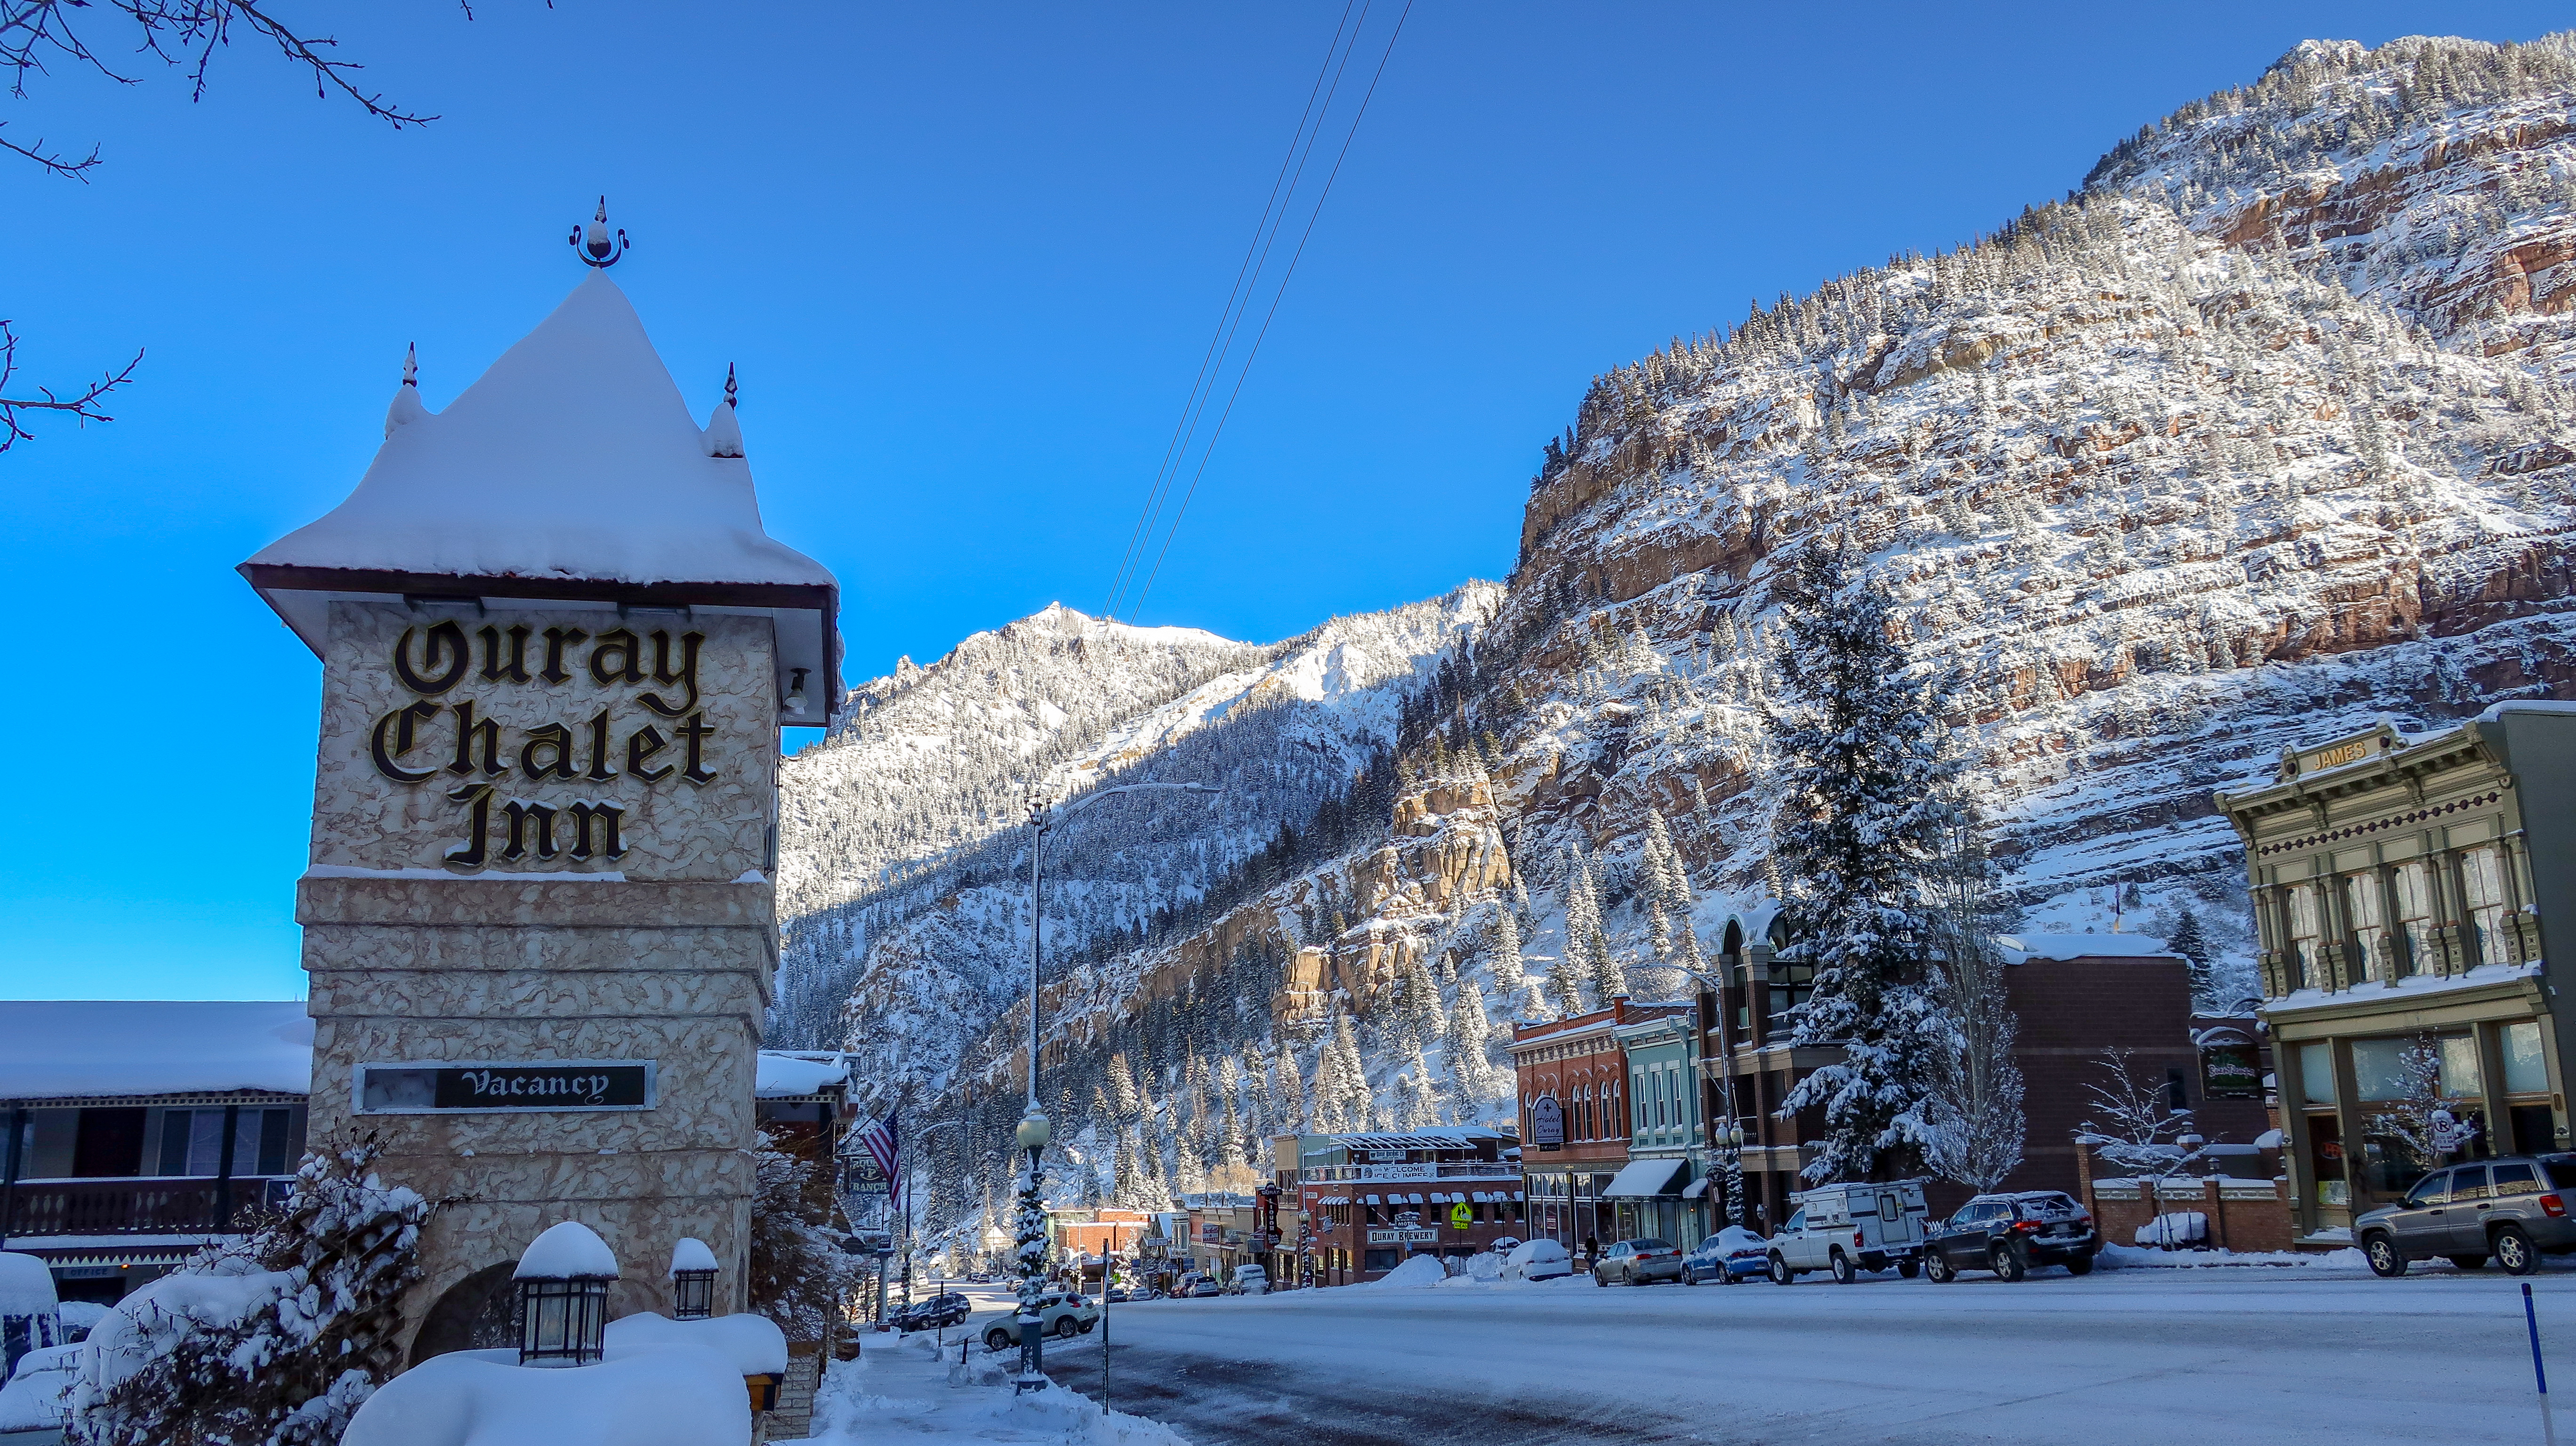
pixel 1583 936
pixel 1419 1003
pixel 1569 989
pixel 2193 945
pixel 1417 1095
pixel 1122 1087
pixel 1860 827
pixel 1290 1088
pixel 1503 956
pixel 1473 1080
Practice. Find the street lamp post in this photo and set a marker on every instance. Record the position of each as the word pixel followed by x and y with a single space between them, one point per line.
pixel 1034 1128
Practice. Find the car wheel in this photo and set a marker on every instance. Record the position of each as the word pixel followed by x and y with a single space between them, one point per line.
pixel 2005 1263
pixel 2079 1264
pixel 1690 1275
pixel 1844 1271
pixel 1596 1276
pixel 1066 1328
pixel 1781 1274
pixel 2469 1262
pixel 2515 1252
pixel 997 1340
pixel 1908 1269
pixel 1939 1269
pixel 2382 1254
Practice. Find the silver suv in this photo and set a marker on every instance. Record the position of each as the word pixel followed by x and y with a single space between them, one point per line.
pixel 2513 1210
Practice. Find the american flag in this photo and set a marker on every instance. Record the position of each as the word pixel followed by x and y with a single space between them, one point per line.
pixel 879 1136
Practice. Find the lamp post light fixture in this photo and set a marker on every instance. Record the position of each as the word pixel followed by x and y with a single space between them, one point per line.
pixel 693 1280
pixel 563 1282
pixel 1034 1129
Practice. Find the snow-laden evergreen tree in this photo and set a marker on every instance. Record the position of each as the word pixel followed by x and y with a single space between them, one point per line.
pixel 1341 1086
pixel 1418 1005
pixel 1473 1080
pixel 273 1339
pixel 1861 825
pixel 1291 1091
pixel 1565 980
pixel 1585 946
pixel 1123 1097
pixel 1503 956
pixel 2192 943
pixel 1417 1093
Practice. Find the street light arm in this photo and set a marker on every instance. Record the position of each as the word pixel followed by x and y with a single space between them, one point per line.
pixel 1040 811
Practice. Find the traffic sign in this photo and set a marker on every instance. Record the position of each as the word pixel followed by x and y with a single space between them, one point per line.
pixel 1460 1216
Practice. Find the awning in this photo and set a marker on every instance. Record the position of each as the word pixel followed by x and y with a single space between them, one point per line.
pixel 1648 1180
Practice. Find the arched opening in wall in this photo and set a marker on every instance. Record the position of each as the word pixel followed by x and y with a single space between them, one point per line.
pixel 478 1313
pixel 1734 942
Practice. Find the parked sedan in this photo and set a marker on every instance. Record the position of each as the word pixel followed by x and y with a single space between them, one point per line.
pixel 2512 1210
pixel 1732 1254
pixel 1641 1261
pixel 1059 1315
pixel 2010 1234
pixel 935 1313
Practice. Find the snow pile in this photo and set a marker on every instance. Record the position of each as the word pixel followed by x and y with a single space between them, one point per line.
pixel 2131 1257
pixel 508 480
pixel 905 1397
pixel 659 1395
pixel 567 1250
pixel 1415 1271
pixel 26 1287
pixel 2174 1228
pixel 52 1048
pixel 753 1344
pixel 35 1397
pixel 79 1317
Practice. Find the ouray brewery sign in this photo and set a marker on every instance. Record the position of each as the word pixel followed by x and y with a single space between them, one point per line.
pixel 486 722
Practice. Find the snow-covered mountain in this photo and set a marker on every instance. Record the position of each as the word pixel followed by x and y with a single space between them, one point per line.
pixel 2263 433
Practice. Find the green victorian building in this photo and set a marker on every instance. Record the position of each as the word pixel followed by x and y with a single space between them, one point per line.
pixel 2406 892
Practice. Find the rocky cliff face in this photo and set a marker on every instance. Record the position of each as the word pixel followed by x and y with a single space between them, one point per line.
pixel 2264 433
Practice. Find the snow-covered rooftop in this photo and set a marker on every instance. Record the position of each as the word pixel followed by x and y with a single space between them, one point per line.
pixel 574 457
pixel 67 1048
pixel 782 1076
pixel 2022 948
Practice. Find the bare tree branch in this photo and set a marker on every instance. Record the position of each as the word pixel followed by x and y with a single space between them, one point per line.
pixel 83 407
pixel 52 161
pixel 177 32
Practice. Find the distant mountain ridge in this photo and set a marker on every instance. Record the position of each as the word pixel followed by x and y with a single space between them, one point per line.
pixel 2263 434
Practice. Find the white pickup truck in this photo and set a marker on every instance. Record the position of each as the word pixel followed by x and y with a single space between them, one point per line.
pixel 1849 1228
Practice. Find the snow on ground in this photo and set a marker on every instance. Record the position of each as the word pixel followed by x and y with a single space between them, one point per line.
pixel 2322 1353
pixel 909 1391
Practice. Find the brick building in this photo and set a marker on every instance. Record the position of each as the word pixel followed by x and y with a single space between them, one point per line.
pixel 2075 995
pixel 1370 1200
pixel 1573 1080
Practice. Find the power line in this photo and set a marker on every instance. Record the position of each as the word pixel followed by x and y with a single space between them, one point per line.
pixel 1239 303
pixel 1263 335
pixel 1220 340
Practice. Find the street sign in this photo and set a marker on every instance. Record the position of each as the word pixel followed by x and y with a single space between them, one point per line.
pixel 1461 1215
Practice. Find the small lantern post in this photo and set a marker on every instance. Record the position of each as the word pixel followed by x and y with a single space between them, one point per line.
pixel 563 1282
pixel 693 1280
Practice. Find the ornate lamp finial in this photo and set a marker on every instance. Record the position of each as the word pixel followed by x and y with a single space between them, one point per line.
pixel 591 243
pixel 733 394
pixel 411 365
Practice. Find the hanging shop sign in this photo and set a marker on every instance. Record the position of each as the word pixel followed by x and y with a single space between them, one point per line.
pixel 439 1088
pixel 1547 1123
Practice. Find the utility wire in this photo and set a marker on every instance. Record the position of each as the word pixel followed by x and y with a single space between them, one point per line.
pixel 1231 397
pixel 1238 297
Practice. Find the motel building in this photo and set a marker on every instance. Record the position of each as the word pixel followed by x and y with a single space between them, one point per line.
pixel 2404 888
pixel 1372 1200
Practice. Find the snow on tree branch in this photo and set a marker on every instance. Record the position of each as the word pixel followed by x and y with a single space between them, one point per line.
pixel 2134 1122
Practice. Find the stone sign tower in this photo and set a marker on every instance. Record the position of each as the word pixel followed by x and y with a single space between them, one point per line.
pixel 557 649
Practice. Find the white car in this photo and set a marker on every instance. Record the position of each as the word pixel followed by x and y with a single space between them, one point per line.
pixel 33 1399
pixel 1537 1260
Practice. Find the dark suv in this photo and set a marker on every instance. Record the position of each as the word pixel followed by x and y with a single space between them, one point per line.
pixel 2010 1234
pixel 2513 1210
pixel 940 1310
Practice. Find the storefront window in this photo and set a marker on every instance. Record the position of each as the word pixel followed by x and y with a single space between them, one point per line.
pixel 2524 1071
pixel 2326 1162
pixel 2379 1068
pixel 2316 1073
pixel 2461 1077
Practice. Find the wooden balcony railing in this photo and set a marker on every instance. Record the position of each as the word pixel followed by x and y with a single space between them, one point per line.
pixel 145 1206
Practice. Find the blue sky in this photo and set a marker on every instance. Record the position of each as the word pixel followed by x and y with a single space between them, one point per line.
pixel 966 258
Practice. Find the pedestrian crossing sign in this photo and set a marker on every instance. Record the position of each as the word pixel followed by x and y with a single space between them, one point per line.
pixel 1461 1216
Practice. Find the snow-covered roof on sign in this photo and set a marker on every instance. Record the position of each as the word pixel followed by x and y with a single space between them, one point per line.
pixel 785 1076
pixel 2022 948
pixel 86 1048
pixel 573 457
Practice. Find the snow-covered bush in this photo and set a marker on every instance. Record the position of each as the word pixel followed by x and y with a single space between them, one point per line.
pixel 799 1275
pixel 271 1340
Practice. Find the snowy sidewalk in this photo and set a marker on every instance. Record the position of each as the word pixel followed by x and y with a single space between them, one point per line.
pixel 905 1391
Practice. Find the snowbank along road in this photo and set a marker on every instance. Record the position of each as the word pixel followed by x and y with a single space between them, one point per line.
pixel 2277 1356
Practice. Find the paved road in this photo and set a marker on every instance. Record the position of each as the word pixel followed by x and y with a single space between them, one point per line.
pixel 2243 1354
